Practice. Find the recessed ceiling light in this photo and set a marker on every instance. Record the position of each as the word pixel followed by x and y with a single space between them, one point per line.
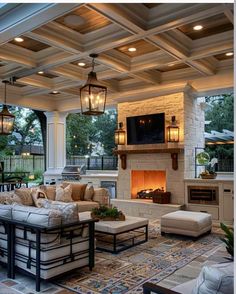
pixel 198 27
pixel 132 49
pixel 19 40
pixel 55 92
pixel 229 54
pixel 40 72
pixel 81 64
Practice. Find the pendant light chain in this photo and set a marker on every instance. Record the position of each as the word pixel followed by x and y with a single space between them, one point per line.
pixel 5 93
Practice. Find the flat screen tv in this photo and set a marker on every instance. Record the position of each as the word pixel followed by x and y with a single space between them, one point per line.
pixel 146 129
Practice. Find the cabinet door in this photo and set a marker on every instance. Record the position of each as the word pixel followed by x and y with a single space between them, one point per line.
pixel 228 207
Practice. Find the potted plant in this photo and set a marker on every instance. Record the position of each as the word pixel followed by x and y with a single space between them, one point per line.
pixel 107 213
pixel 228 239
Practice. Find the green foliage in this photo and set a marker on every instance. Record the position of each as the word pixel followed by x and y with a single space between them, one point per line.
pixel 104 211
pixel 220 111
pixel 85 131
pixel 38 174
pixel 26 132
pixel 228 239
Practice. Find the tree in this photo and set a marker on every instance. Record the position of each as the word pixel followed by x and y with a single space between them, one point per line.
pixel 220 113
pixel 85 131
pixel 105 126
pixel 79 134
pixel 26 132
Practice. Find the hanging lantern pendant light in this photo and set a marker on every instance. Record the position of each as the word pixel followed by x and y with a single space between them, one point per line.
pixel 93 94
pixel 6 118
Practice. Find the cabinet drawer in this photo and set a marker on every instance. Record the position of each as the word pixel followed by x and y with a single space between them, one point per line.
pixel 214 211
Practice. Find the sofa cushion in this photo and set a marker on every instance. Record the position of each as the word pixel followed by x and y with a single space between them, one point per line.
pixel 86 205
pixel 50 191
pixel 217 279
pixel 89 192
pixel 101 195
pixel 64 193
pixel 9 198
pixel 25 196
pixel 38 216
pixel 69 211
pixel 6 211
pixel 78 190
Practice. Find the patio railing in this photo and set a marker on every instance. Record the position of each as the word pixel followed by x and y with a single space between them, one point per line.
pixel 34 163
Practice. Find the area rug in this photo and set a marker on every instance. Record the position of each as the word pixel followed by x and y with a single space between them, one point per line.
pixel 152 261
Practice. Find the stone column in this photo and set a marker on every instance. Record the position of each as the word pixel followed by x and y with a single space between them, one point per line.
pixel 56 145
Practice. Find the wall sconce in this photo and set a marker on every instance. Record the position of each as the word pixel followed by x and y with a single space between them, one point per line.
pixel 120 135
pixel 173 131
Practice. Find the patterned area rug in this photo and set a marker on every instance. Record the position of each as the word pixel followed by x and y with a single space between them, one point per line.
pixel 152 261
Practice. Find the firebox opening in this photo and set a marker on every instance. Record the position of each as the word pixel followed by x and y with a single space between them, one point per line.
pixel 145 181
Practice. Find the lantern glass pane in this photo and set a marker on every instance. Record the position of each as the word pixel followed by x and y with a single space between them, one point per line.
pixel 93 99
pixel 173 134
pixel 7 124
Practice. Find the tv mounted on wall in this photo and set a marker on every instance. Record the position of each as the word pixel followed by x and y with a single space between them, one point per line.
pixel 146 129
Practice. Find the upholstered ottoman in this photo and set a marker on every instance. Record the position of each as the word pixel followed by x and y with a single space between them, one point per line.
pixel 186 223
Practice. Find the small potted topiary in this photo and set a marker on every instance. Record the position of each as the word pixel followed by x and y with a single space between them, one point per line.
pixel 107 214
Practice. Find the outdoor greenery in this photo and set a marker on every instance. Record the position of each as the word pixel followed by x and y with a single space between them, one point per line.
pixel 228 239
pixel 220 113
pixel 88 135
pixel 27 131
pixel 104 212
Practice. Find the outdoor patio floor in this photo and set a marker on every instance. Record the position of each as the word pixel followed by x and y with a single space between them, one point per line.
pixel 82 281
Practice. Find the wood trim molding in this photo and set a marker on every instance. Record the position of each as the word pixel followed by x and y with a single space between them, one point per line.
pixel 173 152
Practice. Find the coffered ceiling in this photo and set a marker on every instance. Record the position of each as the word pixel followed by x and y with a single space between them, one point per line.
pixel 144 50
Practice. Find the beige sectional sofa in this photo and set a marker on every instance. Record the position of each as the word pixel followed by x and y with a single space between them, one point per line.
pixel 85 197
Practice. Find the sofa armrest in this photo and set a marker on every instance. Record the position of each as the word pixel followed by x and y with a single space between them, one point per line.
pixel 149 288
pixel 101 195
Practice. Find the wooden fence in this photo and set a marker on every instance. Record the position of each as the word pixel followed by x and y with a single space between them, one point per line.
pixel 30 163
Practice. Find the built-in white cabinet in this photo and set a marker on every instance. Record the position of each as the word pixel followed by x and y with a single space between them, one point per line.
pixel 228 202
pixel 211 196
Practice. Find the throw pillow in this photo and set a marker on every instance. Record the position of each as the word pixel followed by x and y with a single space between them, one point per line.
pixel 50 191
pixel 64 194
pixel 77 190
pixel 25 196
pixel 88 194
pixel 69 210
pixel 101 195
pixel 216 279
pixel 38 195
pixel 13 198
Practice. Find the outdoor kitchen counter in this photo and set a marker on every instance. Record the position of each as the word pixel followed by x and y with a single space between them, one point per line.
pixel 100 179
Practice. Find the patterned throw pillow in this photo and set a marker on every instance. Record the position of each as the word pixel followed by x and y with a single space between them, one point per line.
pixel 38 195
pixel 25 196
pixel 69 210
pixel 101 195
pixel 64 194
pixel 88 194
pixel 50 191
pixel 77 190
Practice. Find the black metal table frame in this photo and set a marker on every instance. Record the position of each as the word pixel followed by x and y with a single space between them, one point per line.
pixel 115 242
pixel 37 229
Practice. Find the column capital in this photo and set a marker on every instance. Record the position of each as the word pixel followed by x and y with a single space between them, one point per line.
pixel 56 115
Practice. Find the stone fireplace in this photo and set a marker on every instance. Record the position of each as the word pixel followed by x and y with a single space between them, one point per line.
pixel 146 180
pixel 154 161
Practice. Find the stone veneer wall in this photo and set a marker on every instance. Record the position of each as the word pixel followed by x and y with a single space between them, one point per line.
pixel 194 126
pixel 190 119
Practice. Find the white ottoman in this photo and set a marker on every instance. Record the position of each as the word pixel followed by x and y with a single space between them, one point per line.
pixel 186 223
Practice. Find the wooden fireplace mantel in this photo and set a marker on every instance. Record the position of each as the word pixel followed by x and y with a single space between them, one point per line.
pixel 173 152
